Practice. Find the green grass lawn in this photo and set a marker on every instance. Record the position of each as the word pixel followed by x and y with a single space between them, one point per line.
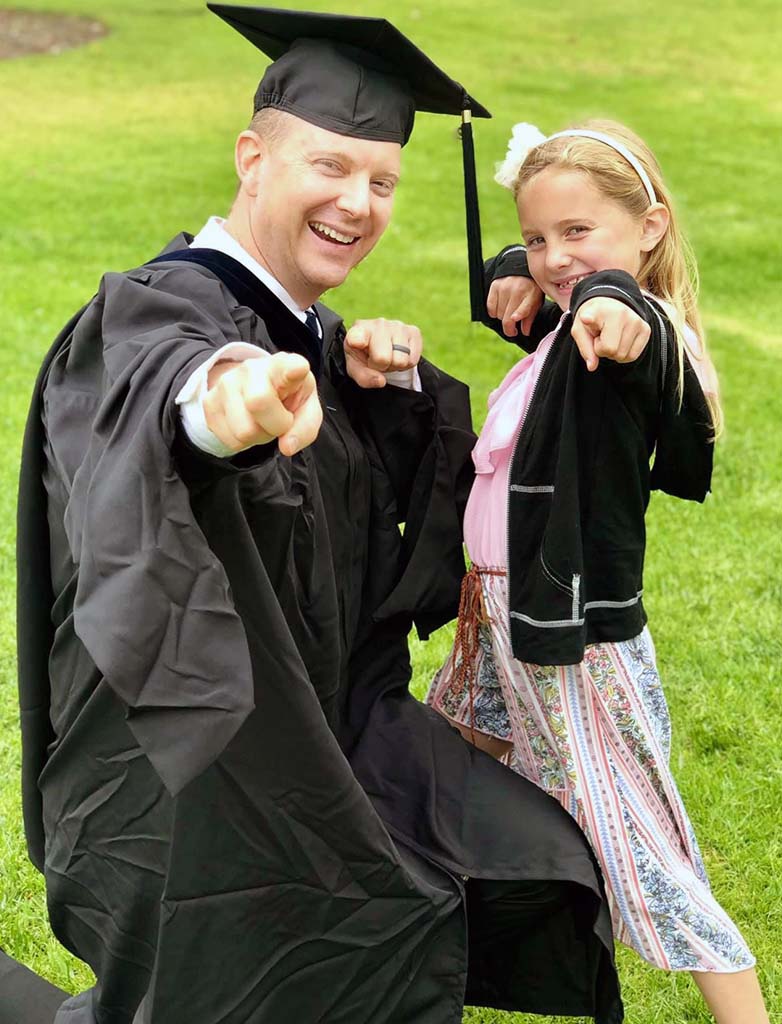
pixel 107 151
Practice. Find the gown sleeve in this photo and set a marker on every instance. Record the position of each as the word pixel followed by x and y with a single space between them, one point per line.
pixel 420 445
pixel 152 604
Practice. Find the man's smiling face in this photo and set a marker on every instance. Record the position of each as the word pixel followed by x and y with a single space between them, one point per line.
pixel 320 202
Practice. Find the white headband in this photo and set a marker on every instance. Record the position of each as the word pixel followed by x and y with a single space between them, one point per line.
pixel 526 137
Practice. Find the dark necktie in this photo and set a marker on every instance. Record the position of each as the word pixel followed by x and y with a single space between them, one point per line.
pixel 313 322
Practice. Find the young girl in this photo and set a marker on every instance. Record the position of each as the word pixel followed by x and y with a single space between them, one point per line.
pixel 553 667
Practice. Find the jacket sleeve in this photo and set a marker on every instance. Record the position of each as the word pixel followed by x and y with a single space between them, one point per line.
pixel 512 262
pixel 612 284
pixel 663 379
pixel 509 262
pixel 646 374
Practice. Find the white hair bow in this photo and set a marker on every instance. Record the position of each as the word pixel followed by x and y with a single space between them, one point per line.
pixel 524 138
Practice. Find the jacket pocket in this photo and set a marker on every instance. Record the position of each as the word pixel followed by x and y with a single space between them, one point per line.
pixel 541 595
pixel 572 589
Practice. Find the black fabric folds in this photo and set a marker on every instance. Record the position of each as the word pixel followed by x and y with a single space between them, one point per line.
pixel 241 813
pixel 24 997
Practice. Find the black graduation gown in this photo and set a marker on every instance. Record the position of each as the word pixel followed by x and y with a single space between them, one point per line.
pixel 241 813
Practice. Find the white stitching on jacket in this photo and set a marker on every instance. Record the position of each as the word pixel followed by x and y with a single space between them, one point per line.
pixel 553 624
pixel 614 604
pixel 604 287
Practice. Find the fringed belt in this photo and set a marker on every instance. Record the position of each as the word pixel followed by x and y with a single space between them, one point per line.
pixel 472 615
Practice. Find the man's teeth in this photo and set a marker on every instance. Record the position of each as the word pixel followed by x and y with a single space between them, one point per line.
pixel 324 229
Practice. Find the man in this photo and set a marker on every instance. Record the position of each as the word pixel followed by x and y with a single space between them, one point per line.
pixel 241 813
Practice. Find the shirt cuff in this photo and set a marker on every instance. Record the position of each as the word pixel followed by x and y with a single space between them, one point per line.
pixel 190 398
pixel 409 379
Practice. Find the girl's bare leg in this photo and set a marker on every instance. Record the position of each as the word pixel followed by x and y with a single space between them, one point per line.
pixel 733 998
pixel 481 740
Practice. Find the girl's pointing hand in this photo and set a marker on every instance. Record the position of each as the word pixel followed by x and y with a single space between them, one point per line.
pixel 606 328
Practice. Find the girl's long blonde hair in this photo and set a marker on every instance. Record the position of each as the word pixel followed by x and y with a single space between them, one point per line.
pixel 669 272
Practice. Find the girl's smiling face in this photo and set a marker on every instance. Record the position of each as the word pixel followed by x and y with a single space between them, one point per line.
pixel 571 230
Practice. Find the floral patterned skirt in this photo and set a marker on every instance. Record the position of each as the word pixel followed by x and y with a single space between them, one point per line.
pixel 596 736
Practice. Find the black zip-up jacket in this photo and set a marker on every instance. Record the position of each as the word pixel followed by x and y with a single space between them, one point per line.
pixel 580 476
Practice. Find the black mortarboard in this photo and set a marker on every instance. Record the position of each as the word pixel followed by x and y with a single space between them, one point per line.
pixel 359 77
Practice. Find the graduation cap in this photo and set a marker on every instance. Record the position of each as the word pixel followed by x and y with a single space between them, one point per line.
pixel 360 77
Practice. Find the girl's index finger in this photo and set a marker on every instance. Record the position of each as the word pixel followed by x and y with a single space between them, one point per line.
pixel 585 343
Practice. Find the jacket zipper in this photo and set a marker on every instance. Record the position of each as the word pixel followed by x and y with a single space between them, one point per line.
pixel 527 418
pixel 576 594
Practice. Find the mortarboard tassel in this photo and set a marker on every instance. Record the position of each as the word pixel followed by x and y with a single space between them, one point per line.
pixel 474 248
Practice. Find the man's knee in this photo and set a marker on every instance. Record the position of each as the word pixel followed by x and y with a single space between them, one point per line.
pixel 26 998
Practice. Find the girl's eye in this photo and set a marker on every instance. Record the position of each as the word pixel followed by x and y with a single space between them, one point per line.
pixel 533 242
pixel 577 229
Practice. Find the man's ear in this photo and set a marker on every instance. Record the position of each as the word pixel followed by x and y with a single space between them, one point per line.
pixel 249 155
pixel 655 224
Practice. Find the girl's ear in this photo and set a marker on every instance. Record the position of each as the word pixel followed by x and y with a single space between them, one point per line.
pixel 655 224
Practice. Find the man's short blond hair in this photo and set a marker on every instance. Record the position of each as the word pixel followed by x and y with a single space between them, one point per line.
pixel 271 124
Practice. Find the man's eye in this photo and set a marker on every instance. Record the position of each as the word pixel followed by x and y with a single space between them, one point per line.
pixel 330 165
pixel 383 188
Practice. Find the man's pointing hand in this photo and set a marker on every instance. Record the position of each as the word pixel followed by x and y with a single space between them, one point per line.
pixel 257 400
